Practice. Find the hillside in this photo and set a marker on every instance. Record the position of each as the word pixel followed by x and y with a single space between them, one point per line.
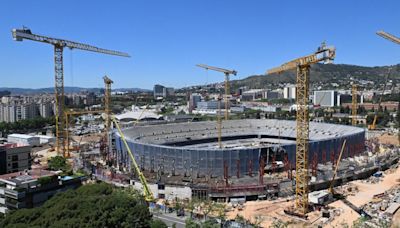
pixel 323 75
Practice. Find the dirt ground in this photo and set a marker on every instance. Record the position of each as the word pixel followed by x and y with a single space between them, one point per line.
pixel 347 215
pixel 269 211
pixel 388 139
pixel 366 191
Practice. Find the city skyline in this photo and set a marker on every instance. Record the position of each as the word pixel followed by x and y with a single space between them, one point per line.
pixel 166 40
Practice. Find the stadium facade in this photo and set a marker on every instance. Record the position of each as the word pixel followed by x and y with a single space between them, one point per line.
pixel 191 149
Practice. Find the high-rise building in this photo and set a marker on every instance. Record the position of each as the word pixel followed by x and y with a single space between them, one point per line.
pixel 14 109
pixel 158 91
pixel 194 99
pixel 46 109
pixel 162 91
pixel 90 99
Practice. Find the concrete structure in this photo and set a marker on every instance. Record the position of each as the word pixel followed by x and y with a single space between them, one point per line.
pixel 253 94
pixel 326 98
pixel 319 197
pixel 273 94
pixel 168 192
pixel 32 188
pixel 23 139
pixel 192 148
pixel 14 158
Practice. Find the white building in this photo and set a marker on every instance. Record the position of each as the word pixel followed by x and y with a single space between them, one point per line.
pixel 289 92
pixel 325 98
pixel 44 139
pixel 22 139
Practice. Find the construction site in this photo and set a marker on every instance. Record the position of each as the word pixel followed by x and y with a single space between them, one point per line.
pixel 300 172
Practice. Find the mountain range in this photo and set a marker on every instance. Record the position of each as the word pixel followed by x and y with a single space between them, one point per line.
pixel 324 75
pixel 67 89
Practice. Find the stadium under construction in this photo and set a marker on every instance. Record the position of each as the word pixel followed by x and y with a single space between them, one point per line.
pixel 255 157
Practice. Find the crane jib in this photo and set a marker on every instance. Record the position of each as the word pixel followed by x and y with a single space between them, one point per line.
pixel 19 35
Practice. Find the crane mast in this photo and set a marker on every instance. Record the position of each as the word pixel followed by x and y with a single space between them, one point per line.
pixel 227 88
pixel 59 45
pixel 323 54
pixel 107 110
pixel 354 104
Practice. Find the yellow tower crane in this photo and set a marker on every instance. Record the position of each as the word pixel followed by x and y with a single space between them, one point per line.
pixel 107 110
pixel 354 104
pixel 59 45
pixel 323 54
pixel 227 89
pixel 148 195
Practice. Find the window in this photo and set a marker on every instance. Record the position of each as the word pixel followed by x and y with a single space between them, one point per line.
pixel 15 165
pixel 15 158
pixel 161 186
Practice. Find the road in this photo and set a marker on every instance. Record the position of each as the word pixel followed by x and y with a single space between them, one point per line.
pixel 171 219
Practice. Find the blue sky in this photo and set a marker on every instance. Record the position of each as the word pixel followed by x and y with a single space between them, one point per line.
pixel 166 38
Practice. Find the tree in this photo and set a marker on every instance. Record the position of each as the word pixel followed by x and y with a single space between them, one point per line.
pixel 220 211
pixel 92 205
pixel 190 223
pixel 157 223
pixel 191 205
pixel 208 207
pixel 58 163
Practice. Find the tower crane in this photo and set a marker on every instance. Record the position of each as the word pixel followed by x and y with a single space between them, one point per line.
pixel 354 104
pixel 323 54
pixel 59 45
pixel 227 89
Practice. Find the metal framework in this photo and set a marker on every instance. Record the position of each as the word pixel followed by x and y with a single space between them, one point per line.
pixel 388 36
pixel 323 54
pixel 354 104
pixel 227 87
pixel 219 127
pixel 107 110
pixel 59 45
